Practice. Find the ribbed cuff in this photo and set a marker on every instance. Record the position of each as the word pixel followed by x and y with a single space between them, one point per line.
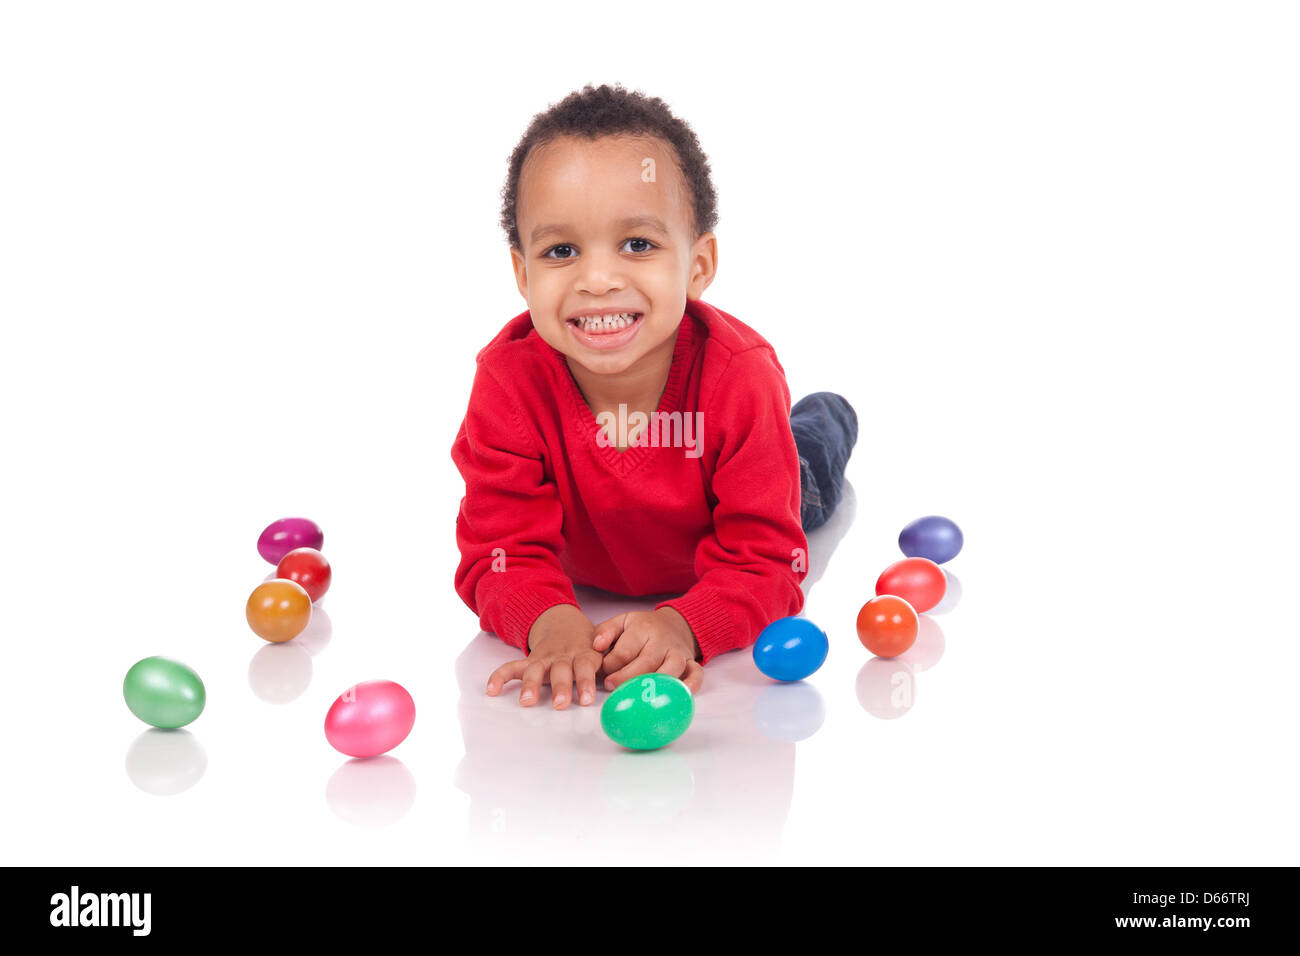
pixel 522 609
pixel 710 618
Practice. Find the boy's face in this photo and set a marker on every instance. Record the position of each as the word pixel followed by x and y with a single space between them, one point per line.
pixel 604 231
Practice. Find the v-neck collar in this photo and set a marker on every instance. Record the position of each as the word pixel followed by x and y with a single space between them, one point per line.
pixel 624 462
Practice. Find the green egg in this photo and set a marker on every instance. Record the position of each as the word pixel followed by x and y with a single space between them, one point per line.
pixel 163 692
pixel 648 712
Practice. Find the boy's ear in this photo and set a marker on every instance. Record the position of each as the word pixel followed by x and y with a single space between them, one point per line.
pixel 521 271
pixel 704 265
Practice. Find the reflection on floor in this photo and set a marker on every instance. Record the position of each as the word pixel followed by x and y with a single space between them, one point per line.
pixel 553 778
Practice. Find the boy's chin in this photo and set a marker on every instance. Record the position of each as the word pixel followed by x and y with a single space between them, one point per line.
pixel 602 365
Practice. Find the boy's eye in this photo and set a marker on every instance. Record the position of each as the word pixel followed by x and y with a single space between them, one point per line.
pixel 566 251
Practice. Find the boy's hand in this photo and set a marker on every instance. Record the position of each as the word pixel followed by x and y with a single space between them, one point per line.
pixel 560 653
pixel 649 642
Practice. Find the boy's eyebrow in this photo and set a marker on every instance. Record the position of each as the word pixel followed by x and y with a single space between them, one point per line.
pixel 631 222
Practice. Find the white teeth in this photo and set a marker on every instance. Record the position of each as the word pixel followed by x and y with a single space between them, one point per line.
pixel 617 321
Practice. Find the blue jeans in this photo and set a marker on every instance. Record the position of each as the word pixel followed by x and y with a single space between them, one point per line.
pixel 825 430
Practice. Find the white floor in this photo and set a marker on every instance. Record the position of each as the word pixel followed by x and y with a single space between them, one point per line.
pixel 1050 258
pixel 1050 716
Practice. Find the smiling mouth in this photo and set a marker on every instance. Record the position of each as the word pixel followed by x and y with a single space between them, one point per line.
pixel 606 324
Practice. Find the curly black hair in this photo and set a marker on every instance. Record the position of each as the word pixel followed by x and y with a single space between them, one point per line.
pixel 607 110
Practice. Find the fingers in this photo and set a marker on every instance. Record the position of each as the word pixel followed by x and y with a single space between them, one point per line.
pixel 560 673
pixel 607 633
pixel 584 675
pixel 632 651
pixel 690 672
pixel 674 665
pixel 504 675
pixel 646 662
pixel 532 679
pixel 561 679
pixel 694 676
pixel 630 644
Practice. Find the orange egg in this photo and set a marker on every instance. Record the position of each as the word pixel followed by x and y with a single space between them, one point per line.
pixel 278 610
pixel 887 625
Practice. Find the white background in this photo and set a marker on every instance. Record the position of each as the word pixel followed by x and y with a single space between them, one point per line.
pixel 1048 250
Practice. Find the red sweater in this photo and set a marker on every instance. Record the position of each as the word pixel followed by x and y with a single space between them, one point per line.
pixel 547 507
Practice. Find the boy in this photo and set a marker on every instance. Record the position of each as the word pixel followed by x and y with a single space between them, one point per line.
pixel 623 434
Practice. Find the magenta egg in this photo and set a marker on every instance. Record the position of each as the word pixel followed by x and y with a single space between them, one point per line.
pixel 370 718
pixel 289 534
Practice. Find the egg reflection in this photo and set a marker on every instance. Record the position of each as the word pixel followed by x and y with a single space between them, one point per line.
pixel 789 712
pixel 886 687
pixel 372 792
pixel 928 647
pixel 647 784
pixel 279 673
pixel 165 762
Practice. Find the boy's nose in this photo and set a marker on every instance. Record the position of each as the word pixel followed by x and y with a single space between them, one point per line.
pixel 600 274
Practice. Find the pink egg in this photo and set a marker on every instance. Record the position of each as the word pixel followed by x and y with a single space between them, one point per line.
pixel 370 718
pixel 288 534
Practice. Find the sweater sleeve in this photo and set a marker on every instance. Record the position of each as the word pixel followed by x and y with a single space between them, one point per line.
pixel 746 568
pixel 509 527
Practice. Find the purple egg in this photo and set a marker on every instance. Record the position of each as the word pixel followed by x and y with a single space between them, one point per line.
pixel 934 537
pixel 281 537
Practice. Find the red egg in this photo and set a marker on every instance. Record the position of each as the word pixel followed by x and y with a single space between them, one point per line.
pixel 918 581
pixel 308 567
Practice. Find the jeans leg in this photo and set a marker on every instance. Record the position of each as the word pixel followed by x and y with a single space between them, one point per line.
pixel 825 428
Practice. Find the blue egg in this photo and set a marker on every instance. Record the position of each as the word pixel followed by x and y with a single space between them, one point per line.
pixel 932 537
pixel 790 648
